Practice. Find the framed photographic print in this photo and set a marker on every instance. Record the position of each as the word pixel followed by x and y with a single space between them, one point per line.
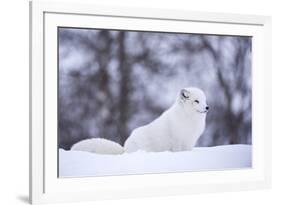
pixel 129 102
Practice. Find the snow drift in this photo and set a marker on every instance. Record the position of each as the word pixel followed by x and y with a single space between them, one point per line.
pixel 78 163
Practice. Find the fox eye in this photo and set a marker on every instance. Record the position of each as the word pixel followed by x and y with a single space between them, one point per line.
pixel 196 101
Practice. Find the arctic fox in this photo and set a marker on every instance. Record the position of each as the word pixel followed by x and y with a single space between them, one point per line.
pixel 177 129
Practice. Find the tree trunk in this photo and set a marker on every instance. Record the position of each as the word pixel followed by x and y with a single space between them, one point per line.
pixel 124 89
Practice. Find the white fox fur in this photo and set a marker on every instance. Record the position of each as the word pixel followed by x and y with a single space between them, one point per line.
pixel 177 129
pixel 98 145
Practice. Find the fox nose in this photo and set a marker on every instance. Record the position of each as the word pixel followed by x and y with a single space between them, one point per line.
pixel 207 107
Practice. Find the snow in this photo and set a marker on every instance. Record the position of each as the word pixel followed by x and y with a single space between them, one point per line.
pixel 78 163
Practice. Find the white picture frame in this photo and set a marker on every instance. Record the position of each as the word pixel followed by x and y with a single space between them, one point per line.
pixel 46 187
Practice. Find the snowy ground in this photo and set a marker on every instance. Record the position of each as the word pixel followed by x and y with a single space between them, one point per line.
pixel 77 163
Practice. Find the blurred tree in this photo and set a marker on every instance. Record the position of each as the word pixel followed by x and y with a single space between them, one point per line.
pixel 125 88
pixel 235 85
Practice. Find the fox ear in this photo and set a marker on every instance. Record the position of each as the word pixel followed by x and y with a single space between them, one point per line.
pixel 184 94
